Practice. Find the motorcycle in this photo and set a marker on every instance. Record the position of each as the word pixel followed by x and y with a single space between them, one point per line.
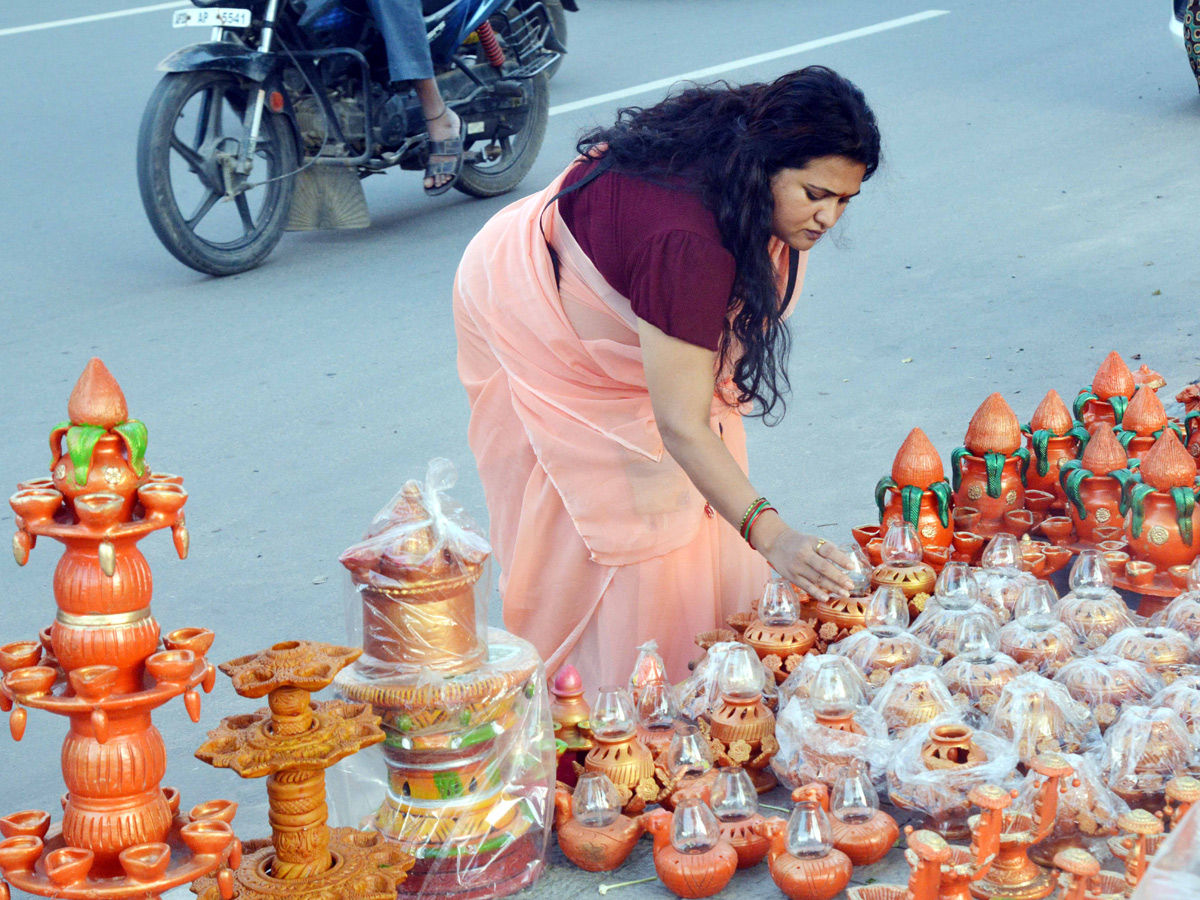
pixel 272 124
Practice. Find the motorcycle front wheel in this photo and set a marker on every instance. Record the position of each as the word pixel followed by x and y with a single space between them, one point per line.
pixel 192 128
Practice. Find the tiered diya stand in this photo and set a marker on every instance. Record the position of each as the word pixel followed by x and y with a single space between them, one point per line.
pixel 920 494
pixel 1094 486
pixel 1053 438
pixel 989 469
pixel 1112 389
pixel 292 743
pixel 121 835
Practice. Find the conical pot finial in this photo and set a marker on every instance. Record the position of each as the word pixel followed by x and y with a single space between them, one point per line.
pixel 1145 414
pixel 1167 464
pixel 1052 415
pixel 567 682
pixel 1113 378
pixel 994 428
pixel 1104 452
pixel 917 462
pixel 97 399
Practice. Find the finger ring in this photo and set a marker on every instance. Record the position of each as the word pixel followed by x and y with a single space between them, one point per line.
pixel 820 543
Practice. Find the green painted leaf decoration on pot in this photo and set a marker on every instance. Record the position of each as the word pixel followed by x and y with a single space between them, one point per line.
pixel 1027 428
pixel 941 490
pixel 1190 421
pixel 1022 453
pixel 1178 429
pixel 1080 401
pixel 81 442
pixel 910 503
pixel 956 459
pixel 1071 475
pixel 1185 504
pixel 995 468
pixel 1137 502
pixel 56 436
pixel 1127 478
pixel 884 484
pixel 1081 434
pixel 1119 405
pixel 1124 437
pixel 1041 442
pixel 136 437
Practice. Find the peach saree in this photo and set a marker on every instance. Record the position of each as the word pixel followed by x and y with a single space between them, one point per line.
pixel 602 541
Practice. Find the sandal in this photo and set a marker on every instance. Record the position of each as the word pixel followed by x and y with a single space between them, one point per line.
pixel 452 167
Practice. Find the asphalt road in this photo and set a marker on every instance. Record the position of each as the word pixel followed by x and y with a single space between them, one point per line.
pixel 1037 209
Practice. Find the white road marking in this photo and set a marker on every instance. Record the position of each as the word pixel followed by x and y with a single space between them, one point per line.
pixel 701 75
pixel 79 20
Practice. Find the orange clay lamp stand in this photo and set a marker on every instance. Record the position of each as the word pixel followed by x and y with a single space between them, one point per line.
pixel 920 494
pixel 989 470
pixel 1112 389
pixel 121 835
pixel 803 860
pixel 741 729
pixel 292 743
pixel 1053 437
pixel 592 831
pixel 862 831
pixel 1095 486
pixel 690 857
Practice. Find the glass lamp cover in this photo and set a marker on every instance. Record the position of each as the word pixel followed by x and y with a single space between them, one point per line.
pixel 733 795
pixel 778 606
pixel 657 707
pixel 859 568
pixel 694 828
pixel 854 799
pixel 612 713
pixel 809 834
pixel 742 674
pixel 901 545
pixel 886 612
pixel 1193 576
pixel 1091 575
pixel 956 586
pixel 688 752
pixel 1037 606
pixel 977 638
pixel 595 802
pixel 832 693
pixel 1002 552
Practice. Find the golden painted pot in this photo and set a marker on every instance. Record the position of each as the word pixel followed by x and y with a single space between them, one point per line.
pixel 843 612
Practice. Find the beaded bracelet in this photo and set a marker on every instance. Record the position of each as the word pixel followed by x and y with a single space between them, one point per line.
pixel 752 513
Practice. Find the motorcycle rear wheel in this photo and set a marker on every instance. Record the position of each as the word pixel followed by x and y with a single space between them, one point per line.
pixel 192 120
pixel 517 152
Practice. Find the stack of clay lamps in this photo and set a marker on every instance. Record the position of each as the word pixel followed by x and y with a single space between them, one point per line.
pixel 926 854
pixel 292 743
pixel 1093 610
pixel 121 834
pixel 1053 437
pixel 1095 487
pixel 989 470
pixel 1035 637
pixel 920 494
pixel 901 564
pixel 1112 389
pixel 1143 424
pixel 979 671
pixel 619 753
pixel 741 729
pixel 568 709
pixel 592 831
pixel 803 860
pixel 776 632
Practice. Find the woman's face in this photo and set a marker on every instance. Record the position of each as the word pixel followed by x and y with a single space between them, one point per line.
pixel 809 201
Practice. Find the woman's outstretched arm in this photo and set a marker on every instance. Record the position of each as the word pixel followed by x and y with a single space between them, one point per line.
pixel 680 379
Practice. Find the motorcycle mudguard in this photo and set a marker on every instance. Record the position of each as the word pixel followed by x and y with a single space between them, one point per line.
pixel 222 57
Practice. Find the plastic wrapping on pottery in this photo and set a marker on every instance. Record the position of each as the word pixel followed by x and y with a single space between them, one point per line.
pixel 798 683
pixel 999 588
pixel 1181 614
pixel 700 693
pixel 1183 696
pixel 1144 749
pixel 1105 683
pixel 810 751
pixel 1166 651
pixel 913 697
pixel 1087 809
pixel 1040 716
pixel 981 682
pixel 1038 647
pixel 941 793
pixel 1174 871
pixel 937 626
pixel 876 657
pixel 465 780
pixel 418 582
pixel 1094 617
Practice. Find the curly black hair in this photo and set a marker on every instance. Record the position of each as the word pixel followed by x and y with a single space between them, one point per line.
pixel 729 141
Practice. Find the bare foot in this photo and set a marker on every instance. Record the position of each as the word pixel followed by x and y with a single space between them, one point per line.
pixel 444 127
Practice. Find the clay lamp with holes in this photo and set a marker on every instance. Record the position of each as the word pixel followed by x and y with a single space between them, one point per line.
pixel 803 861
pixel 690 856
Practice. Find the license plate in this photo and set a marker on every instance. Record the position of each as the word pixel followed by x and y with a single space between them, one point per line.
pixel 212 17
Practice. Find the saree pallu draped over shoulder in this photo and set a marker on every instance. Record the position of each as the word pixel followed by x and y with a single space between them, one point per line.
pixel 603 541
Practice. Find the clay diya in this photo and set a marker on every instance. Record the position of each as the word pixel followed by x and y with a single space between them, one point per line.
pixel 1143 424
pixel 592 832
pixel 690 857
pixel 1040 716
pixel 804 863
pixel 901 563
pixel 1164 651
pixel 1001 576
pixel 989 469
pixel 1093 610
pixel 735 804
pixel 838 616
pixel 860 828
pixel 1111 390
pixel 885 646
pixel 686 769
pixel 568 709
pixel 911 697
pixel 1143 750
pixel 741 728
pixel 979 671
pixel 919 492
pixel 1163 517
pixel 1095 484
pixel 1053 437
pixel 1035 637
pixel 618 753
pixel 777 633
pixel 657 711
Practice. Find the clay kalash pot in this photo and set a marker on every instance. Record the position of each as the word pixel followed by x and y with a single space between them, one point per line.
pixel 1053 437
pixel 1163 518
pixel 1093 610
pixel 1143 424
pixel 920 494
pixel 989 469
pixel 1035 637
pixel 901 564
pixel 860 828
pixel 777 633
pixel 1110 393
pixel 618 753
pixel 592 832
pixel 568 709
pixel 1094 485
pixel 741 727
pixel 735 804
pixel 1143 750
pixel 979 670
pixel 690 857
pixel 803 861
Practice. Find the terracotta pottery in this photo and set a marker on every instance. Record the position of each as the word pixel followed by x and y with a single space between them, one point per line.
pixel 568 709
pixel 1142 423
pixel 1079 869
pixel 781 641
pixel 742 718
pixel 743 836
pixel 1112 388
pixel 993 488
pixel 1094 483
pixel 1183 792
pixel 594 849
pixel 1163 519
pixel 1053 437
pixel 818 878
pixel 865 839
pixel 919 493
pixel 688 874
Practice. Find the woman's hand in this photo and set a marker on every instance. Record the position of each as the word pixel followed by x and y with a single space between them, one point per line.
pixel 810 563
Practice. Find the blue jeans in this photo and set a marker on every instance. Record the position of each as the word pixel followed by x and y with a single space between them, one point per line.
pixel 403 29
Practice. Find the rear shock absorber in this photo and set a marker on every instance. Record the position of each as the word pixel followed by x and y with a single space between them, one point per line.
pixel 491 46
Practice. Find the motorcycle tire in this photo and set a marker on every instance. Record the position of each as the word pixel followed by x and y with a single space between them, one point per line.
pixel 179 144
pixel 558 19
pixel 501 175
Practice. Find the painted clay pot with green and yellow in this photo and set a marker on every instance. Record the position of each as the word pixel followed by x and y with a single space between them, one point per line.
pixel 1143 423
pixel 1163 520
pixel 1053 437
pixel 1111 391
pixel 1095 485
pixel 917 492
pixel 989 469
